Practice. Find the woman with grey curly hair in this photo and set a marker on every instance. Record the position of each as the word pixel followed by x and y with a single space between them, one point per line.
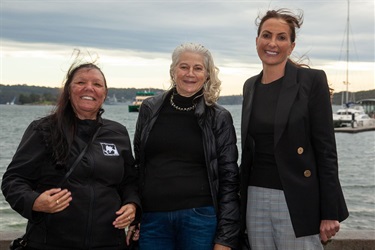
pixel 185 148
pixel 211 88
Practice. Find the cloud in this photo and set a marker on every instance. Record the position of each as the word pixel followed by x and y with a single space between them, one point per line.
pixel 150 30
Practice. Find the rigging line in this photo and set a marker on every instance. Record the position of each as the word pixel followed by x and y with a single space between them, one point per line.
pixel 352 42
pixel 347 55
pixel 350 49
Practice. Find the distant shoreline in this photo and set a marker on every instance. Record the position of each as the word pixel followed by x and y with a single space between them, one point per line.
pixel 24 94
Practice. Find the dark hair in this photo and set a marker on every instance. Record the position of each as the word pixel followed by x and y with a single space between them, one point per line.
pixel 293 20
pixel 62 122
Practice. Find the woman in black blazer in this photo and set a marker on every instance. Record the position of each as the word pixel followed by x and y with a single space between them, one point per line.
pixel 290 190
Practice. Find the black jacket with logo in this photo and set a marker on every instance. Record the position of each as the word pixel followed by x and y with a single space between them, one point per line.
pixel 103 181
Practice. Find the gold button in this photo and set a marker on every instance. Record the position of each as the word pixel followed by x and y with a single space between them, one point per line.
pixel 300 150
pixel 307 173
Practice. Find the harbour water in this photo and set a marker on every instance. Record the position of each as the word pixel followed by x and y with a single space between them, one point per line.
pixel 356 154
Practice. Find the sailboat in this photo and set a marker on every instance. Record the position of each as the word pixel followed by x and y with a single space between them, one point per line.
pixel 111 100
pixel 12 102
pixel 352 114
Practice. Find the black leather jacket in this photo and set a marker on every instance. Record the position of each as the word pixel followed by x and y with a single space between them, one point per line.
pixel 221 159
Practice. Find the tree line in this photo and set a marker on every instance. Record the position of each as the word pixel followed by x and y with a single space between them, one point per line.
pixel 25 94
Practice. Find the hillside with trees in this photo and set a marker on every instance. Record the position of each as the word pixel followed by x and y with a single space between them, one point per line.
pixel 35 95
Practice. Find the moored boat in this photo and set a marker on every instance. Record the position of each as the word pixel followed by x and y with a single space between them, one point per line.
pixel 352 115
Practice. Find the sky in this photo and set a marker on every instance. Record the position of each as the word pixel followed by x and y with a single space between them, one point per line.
pixel 132 41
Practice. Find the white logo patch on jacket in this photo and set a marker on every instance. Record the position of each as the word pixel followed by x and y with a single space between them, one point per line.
pixel 109 149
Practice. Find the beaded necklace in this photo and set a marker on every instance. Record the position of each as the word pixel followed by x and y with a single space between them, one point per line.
pixel 179 108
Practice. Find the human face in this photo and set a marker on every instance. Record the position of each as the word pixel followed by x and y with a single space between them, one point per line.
pixel 190 73
pixel 87 93
pixel 273 43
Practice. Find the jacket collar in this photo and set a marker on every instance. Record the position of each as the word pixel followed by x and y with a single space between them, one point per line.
pixel 287 96
pixel 200 109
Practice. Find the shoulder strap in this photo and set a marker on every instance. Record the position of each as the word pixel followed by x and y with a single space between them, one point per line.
pixel 23 242
pixel 78 159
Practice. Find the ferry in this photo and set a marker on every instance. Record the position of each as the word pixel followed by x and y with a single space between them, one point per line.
pixel 139 98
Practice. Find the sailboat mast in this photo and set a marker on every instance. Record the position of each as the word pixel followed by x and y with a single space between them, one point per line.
pixel 347 56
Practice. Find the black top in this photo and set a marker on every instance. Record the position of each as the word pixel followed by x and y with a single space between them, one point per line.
pixel 176 174
pixel 264 171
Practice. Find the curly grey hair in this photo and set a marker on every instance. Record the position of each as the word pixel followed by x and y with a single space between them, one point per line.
pixel 211 88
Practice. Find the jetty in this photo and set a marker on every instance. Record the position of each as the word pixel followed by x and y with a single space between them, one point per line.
pixel 353 130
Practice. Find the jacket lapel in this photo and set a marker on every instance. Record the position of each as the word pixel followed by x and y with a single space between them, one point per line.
pixel 248 96
pixel 286 99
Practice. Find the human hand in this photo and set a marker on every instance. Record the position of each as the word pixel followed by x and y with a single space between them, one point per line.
pixel 221 247
pixel 52 201
pixel 126 215
pixel 328 229
pixel 132 234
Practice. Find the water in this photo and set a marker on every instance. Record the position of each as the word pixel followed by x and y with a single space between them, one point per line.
pixel 355 151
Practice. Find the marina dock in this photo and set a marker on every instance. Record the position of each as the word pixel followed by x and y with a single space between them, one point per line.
pixel 355 129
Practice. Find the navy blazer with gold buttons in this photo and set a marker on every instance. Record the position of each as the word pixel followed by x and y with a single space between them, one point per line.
pixel 304 148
